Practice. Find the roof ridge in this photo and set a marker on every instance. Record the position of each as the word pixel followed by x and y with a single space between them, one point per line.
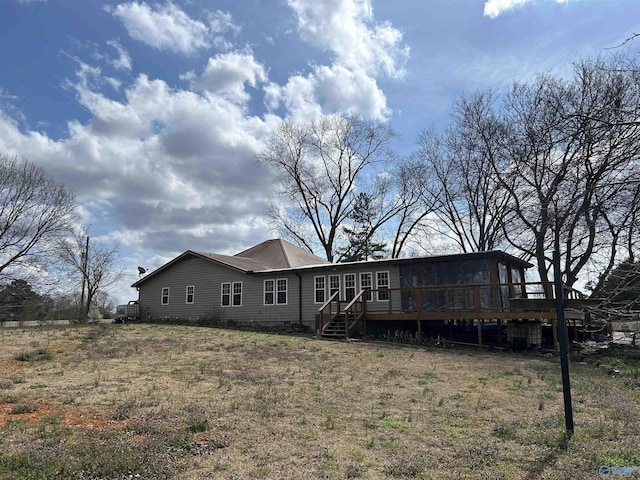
pixel 284 252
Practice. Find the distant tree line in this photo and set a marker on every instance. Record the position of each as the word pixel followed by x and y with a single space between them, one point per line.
pixel 43 255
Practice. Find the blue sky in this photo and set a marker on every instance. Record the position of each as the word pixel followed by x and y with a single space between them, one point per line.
pixel 153 112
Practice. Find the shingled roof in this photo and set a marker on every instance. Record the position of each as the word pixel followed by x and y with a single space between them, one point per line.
pixel 281 254
pixel 268 255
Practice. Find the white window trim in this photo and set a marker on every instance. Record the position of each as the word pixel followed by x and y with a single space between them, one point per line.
pixel 329 284
pixel 378 287
pixel 222 294
pixel 369 294
pixel 193 295
pixel 162 295
pixel 233 294
pixel 286 291
pixel 344 285
pixel 316 289
pixel 273 292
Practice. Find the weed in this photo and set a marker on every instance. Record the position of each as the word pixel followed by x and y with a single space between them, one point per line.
pixel 406 466
pixel 196 418
pixel 354 470
pixel 504 432
pixel 19 408
pixel 38 355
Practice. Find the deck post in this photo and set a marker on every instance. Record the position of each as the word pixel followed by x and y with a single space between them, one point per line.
pixel 479 332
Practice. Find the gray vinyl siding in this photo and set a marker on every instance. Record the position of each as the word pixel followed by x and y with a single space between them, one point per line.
pixel 207 278
pixel 310 309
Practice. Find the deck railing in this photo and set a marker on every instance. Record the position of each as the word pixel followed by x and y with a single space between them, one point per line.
pixel 327 312
pixel 442 302
pixel 355 311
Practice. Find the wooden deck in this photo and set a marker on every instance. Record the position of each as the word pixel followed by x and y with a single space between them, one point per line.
pixel 478 304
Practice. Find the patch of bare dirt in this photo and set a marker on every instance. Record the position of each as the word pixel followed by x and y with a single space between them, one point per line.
pixel 65 415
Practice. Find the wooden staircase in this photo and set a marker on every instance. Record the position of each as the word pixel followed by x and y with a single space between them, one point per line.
pixel 335 322
pixel 336 328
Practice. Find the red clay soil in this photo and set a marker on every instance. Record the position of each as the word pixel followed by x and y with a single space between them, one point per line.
pixel 65 415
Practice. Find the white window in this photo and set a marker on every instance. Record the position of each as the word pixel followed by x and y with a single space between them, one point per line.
pixel 382 284
pixel 349 286
pixel 191 292
pixel 334 284
pixel 164 298
pixel 237 294
pixel 281 283
pixel 366 284
pixel 268 292
pixel 225 294
pixel 320 291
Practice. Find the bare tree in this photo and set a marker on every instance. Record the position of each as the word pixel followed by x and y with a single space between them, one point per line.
pixel 417 193
pixel 554 165
pixel 95 262
pixel 472 201
pixel 321 165
pixel 569 162
pixel 34 211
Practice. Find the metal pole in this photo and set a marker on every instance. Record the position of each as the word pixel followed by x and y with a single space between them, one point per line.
pixel 83 260
pixel 562 338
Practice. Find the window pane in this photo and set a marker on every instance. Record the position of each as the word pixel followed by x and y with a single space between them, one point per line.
pixel 334 284
pixel 282 291
pixel 319 288
pixel 237 294
pixel 165 296
pixel 190 293
pixel 226 295
pixel 365 284
pixel 382 280
pixel 268 292
pixel 349 286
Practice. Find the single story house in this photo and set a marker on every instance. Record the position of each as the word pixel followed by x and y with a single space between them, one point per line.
pixel 279 283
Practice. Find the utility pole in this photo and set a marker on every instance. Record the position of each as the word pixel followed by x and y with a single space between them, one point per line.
pixel 84 260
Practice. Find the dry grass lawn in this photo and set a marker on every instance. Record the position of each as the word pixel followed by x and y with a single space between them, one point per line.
pixel 116 401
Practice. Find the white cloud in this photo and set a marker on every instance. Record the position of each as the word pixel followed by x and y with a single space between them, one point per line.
pixel 493 8
pixel 172 168
pixel 123 61
pixel 163 27
pixel 347 28
pixel 328 90
pixel 222 22
pixel 228 74
pixel 363 50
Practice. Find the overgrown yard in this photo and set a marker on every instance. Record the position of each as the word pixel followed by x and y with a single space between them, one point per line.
pixel 148 401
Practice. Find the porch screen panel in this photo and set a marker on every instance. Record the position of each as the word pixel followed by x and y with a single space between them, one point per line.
pixel 516 278
pixel 444 284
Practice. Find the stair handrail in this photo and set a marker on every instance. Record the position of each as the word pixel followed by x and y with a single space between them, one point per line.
pixel 360 298
pixel 321 310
